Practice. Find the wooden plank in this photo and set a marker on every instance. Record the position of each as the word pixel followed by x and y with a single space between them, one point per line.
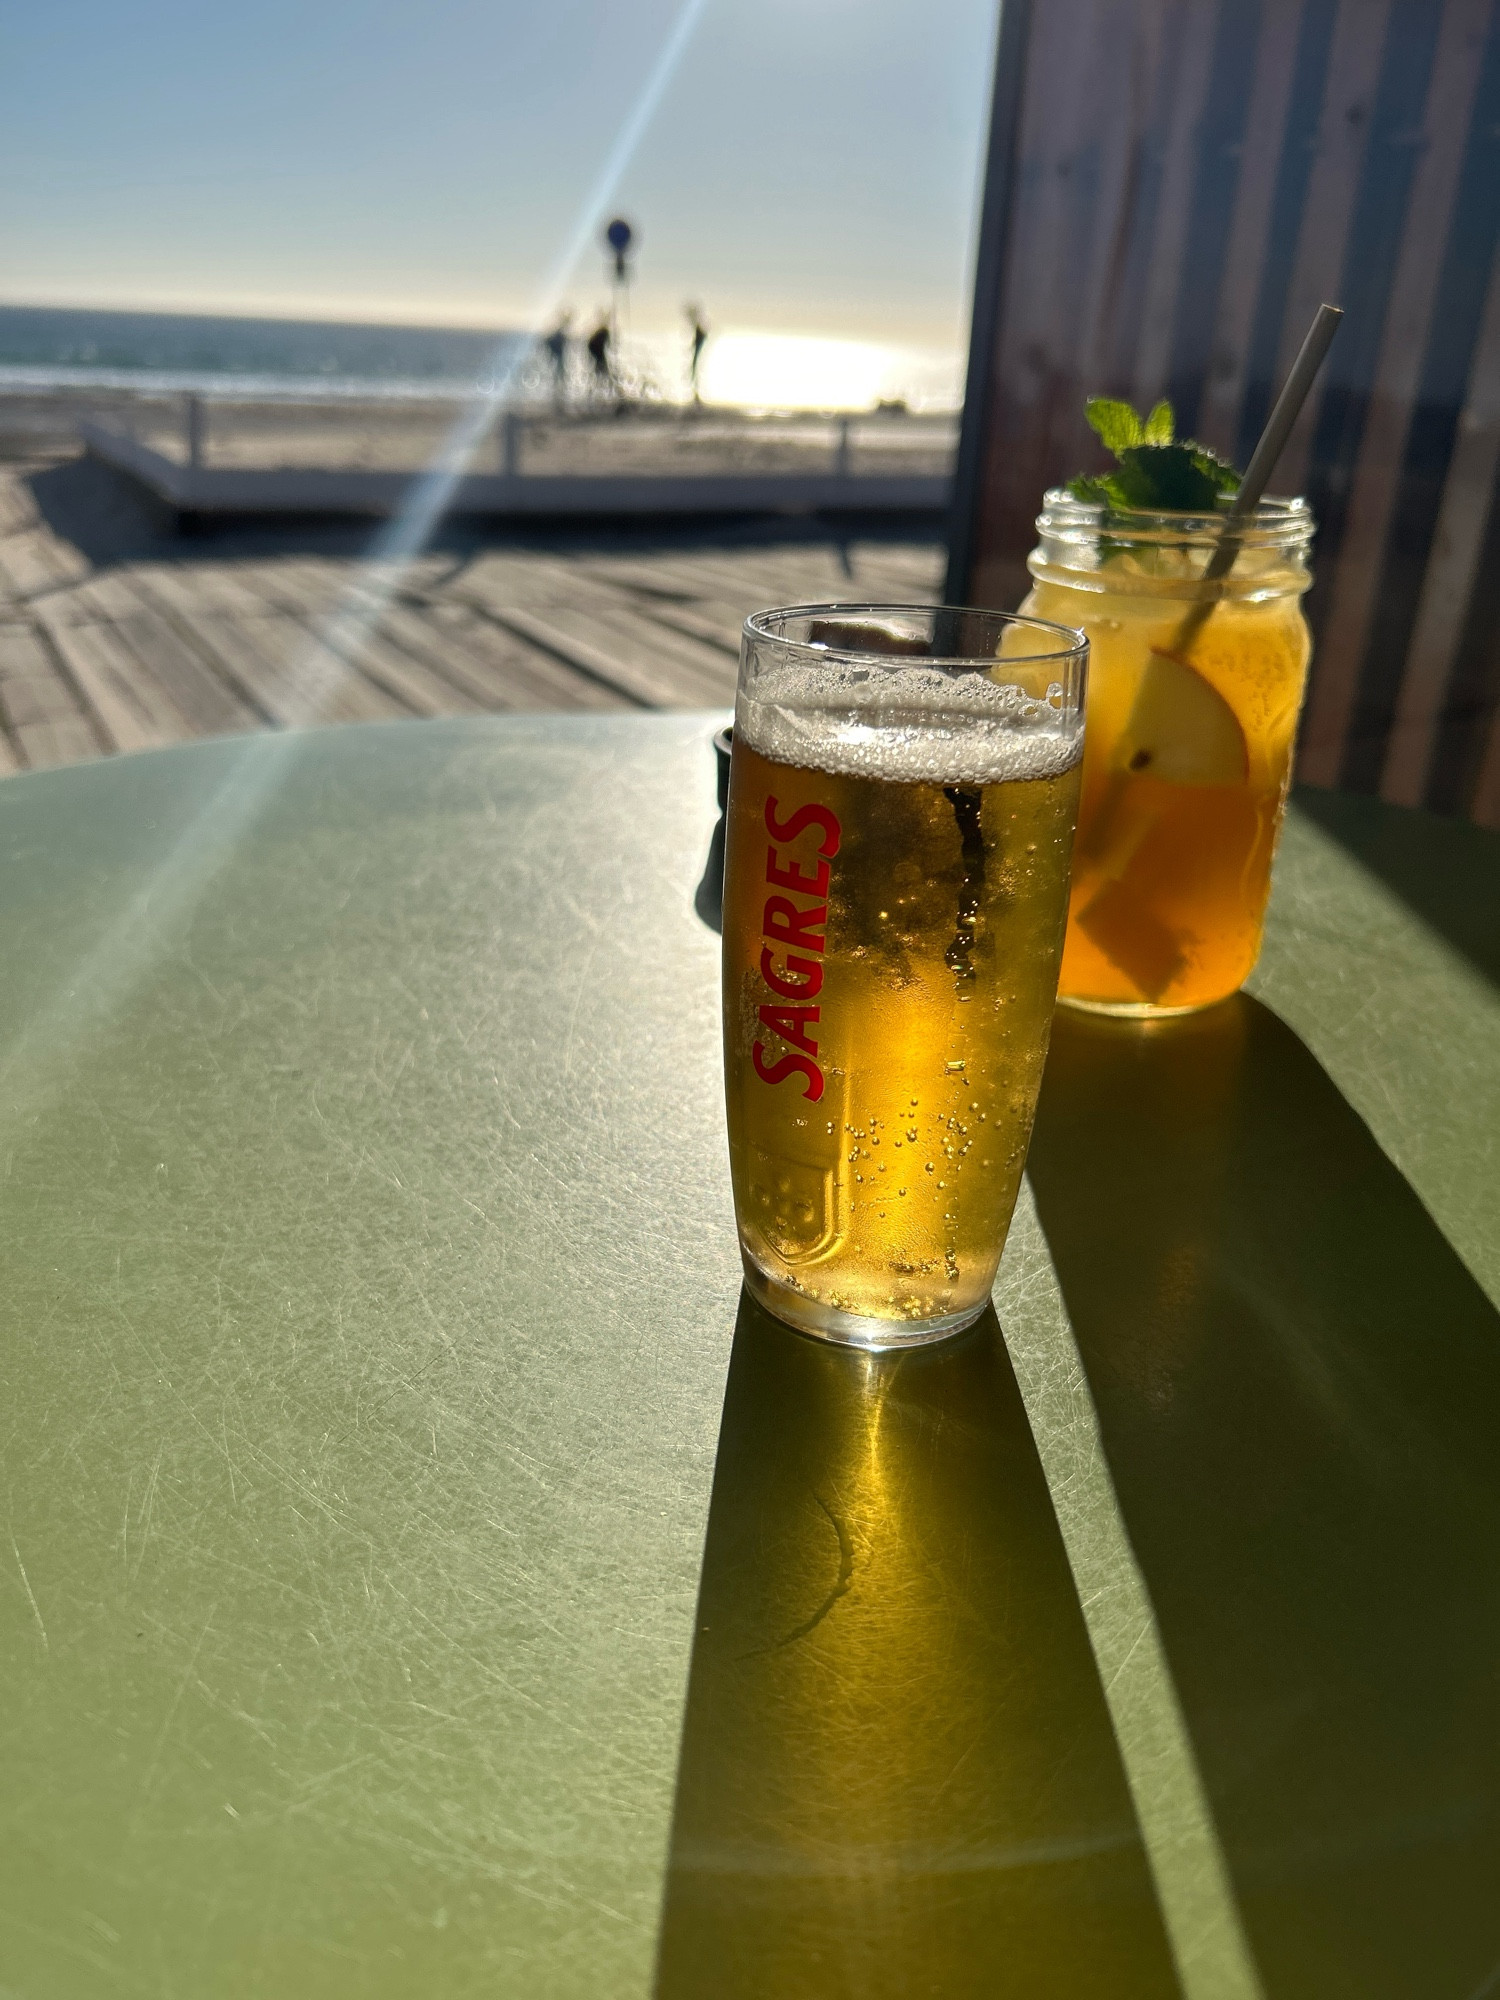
pixel 745 586
pixel 356 626
pixel 17 507
pixel 708 668
pixel 1244 256
pixel 503 582
pixel 1452 570
pixel 1184 116
pixel 645 690
pixel 211 588
pixel 205 698
pixel 294 675
pixel 1343 133
pixel 303 585
pixel 129 709
pixel 276 664
pixel 405 675
pixel 1486 806
pixel 674 672
pixel 439 655
pixel 40 710
pixel 506 673
pixel 210 703
pixel 719 634
pixel 24 656
pixel 637 575
pixel 35 563
pixel 44 745
pixel 1345 633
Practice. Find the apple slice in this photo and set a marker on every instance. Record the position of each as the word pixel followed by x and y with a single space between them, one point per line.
pixel 1180 728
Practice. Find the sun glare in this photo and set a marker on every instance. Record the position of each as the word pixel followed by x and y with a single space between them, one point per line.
pixel 788 371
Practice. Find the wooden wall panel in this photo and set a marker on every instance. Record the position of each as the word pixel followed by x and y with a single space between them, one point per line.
pixel 1172 187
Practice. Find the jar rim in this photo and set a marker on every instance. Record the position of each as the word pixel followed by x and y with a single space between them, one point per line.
pixel 1273 521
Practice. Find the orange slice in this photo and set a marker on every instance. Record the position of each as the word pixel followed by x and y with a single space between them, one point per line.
pixel 1180 728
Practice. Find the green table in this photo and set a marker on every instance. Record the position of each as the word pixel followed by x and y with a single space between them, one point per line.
pixel 424 1576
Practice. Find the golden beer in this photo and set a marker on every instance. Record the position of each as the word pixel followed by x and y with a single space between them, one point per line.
pixel 1191 727
pixel 895 893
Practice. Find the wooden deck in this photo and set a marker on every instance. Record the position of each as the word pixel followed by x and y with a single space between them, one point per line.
pixel 115 638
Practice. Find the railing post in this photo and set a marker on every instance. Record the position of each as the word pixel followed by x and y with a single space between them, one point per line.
pixel 194 430
pixel 510 444
pixel 841 450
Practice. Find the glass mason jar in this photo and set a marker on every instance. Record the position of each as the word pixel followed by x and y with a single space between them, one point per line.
pixel 1194 691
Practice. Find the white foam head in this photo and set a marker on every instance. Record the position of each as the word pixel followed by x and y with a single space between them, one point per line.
pixel 905 723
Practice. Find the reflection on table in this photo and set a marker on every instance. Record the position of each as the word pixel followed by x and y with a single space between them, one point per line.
pixel 897 1775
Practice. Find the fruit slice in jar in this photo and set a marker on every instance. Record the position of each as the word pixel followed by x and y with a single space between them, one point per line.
pixel 1181 729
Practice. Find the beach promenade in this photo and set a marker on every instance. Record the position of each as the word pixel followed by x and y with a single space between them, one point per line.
pixel 118 634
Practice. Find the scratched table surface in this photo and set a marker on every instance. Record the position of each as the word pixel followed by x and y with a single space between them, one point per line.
pixel 423 1575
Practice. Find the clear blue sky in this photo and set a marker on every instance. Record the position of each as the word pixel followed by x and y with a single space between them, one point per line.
pixel 811 166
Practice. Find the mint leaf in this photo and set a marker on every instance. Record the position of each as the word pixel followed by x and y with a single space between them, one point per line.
pixel 1168 478
pixel 1092 487
pixel 1116 425
pixel 1155 474
pixel 1158 427
pixel 1223 475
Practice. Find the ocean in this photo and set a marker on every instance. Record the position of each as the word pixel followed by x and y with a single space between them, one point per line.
pixel 45 347
pixel 52 347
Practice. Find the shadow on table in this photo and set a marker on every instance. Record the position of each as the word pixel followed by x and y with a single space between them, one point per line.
pixel 897 1774
pixel 1444 869
pixel 1298 1384
pixel 708 897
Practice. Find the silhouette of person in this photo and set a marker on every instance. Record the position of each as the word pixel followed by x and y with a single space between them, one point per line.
pixel 698 334
pixel 599 356
pixel 557 343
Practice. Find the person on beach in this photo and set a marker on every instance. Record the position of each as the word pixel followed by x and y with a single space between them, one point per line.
pixel 599 357
pixel 698 335
pixel 557 344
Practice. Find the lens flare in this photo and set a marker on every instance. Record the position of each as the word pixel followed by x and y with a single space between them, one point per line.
pixel 34 1064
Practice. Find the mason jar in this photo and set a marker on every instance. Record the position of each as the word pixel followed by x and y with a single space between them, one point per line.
pixel 1195 685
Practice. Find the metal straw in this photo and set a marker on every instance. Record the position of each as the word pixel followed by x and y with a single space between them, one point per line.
pixel 1287 409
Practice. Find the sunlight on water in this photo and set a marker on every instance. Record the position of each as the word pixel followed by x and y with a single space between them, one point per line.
pixel 788 371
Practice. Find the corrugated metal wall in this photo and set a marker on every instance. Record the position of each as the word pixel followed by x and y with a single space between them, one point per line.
pixel 1173 185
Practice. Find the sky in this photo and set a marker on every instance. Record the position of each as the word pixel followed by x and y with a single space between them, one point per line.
pixel 810 167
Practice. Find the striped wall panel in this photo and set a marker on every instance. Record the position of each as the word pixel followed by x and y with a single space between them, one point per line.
pixel 1172 187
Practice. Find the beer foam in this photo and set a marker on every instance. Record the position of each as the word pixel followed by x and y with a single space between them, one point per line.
pixel 907 724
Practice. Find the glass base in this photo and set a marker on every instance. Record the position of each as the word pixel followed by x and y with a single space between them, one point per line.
pixel 1140 1010
pixel 847 1329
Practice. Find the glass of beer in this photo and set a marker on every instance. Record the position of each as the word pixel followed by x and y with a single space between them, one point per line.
pixel 901 805
pixel 1194 691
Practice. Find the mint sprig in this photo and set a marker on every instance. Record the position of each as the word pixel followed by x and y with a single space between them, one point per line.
pixel 1156 473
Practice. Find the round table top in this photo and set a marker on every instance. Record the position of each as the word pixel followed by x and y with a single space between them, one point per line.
pixel 424 1575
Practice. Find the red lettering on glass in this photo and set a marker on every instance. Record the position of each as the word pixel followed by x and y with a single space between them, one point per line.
pixel 784 923
pixel 811 983
pixel 792 877
pixel 801 820
pixel 789 1065
pixel 792 1024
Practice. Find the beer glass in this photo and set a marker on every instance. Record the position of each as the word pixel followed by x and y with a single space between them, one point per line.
pixel 901 805
pixel 1194 691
